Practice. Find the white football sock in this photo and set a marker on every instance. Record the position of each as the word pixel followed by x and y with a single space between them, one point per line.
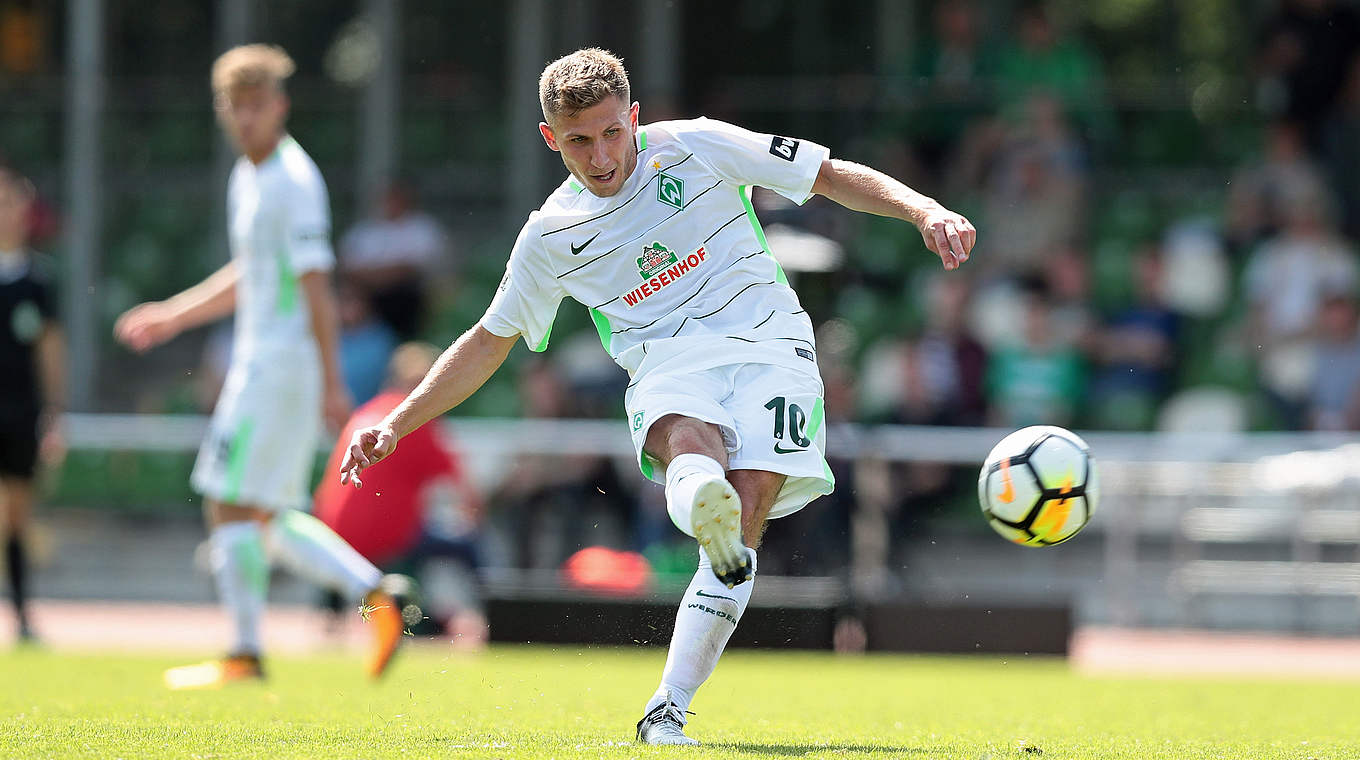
pixel 312 550
pixel 708 615
pixel 242 576
pixel 684 474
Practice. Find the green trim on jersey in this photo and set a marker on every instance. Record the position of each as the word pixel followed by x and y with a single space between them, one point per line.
pixel 642 139
pixel 603 327
pixel 287 297
pixel 744 191
pixel 645 464
pixel 575 186
pixel 236 460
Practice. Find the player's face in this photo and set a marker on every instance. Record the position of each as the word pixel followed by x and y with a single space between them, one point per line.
pixel 13 214
pixel 253 118
pixel 597 145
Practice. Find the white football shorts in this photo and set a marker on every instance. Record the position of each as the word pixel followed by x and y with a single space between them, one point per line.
pixel 262 442
pixel 771 418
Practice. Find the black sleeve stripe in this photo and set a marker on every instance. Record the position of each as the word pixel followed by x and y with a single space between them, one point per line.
pixel 645 185
pixel 643 234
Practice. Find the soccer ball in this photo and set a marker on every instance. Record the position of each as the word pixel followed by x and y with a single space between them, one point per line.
pixel 1038 487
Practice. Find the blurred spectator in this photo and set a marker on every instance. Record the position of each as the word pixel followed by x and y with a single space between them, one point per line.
pixel 1067 272
pixel 935 378
pixel 1034 186
pixel 392 257
pixel 1041 60
pixel 1036 380
pixel 1257 191
pixel 366 344
pixel 1285 281
pixel 417 510
pixel 23 37
pixel 956 358
pixel 1341 151
pixel 1334 401
pixel 1306 49
pixel 1136 352
pixel 949 80
pixel 552 505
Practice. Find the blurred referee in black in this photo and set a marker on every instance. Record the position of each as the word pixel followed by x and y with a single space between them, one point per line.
pixel 32 379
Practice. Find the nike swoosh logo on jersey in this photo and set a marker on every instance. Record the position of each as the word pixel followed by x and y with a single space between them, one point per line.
pixel 700 592
pixel 575 249
pixel 781 450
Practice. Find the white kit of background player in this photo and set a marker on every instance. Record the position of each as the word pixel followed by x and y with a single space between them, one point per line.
pixel 254 465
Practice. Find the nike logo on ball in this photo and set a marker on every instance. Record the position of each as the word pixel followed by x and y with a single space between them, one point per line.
pixel 575 249
pixel 1007 494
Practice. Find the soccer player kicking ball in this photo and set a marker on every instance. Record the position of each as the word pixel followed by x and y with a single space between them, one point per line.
pixel 254 464
pixel 654 232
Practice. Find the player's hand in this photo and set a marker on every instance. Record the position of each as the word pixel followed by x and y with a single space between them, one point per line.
pixel 146 326
pixel 336 406
pixel 948 235
pixel 367 447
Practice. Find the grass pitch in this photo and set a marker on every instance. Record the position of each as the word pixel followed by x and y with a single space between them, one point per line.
pixel 541 702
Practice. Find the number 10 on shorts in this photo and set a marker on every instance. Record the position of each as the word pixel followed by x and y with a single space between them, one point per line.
pixel 792 418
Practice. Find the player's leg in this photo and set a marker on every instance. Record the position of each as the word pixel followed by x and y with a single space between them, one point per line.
pixel 700 499
pixel 18 494
pixel 709 613
pixel 241 574
pixel 313 551
pixel 775 470
pixel 240 569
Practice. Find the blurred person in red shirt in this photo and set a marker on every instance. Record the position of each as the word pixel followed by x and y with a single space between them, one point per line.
pixel 421 511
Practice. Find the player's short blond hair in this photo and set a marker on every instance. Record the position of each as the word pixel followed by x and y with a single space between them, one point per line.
pixel 580 80
pixel 251 66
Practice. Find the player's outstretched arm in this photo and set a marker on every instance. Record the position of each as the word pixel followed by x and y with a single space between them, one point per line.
pixel 336 403
pixel 460 371
pixel 148 325
pixel 860 188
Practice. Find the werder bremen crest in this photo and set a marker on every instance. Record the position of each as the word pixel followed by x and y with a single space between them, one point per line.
pixel 655 258
pixel 670 190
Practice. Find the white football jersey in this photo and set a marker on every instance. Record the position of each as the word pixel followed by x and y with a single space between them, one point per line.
pixel 278 221
pixel 674 267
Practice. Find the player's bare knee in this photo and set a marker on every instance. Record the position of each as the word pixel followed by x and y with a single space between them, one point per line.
pixel 675 434
pixel 221 513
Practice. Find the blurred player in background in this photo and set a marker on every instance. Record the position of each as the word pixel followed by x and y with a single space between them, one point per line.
pixel 654 231
pixel 32 379
pixel 284 378
pixel 420 510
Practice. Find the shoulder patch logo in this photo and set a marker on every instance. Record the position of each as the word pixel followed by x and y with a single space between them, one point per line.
pixel 670 190
pixel 654 258
pixel 784 147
